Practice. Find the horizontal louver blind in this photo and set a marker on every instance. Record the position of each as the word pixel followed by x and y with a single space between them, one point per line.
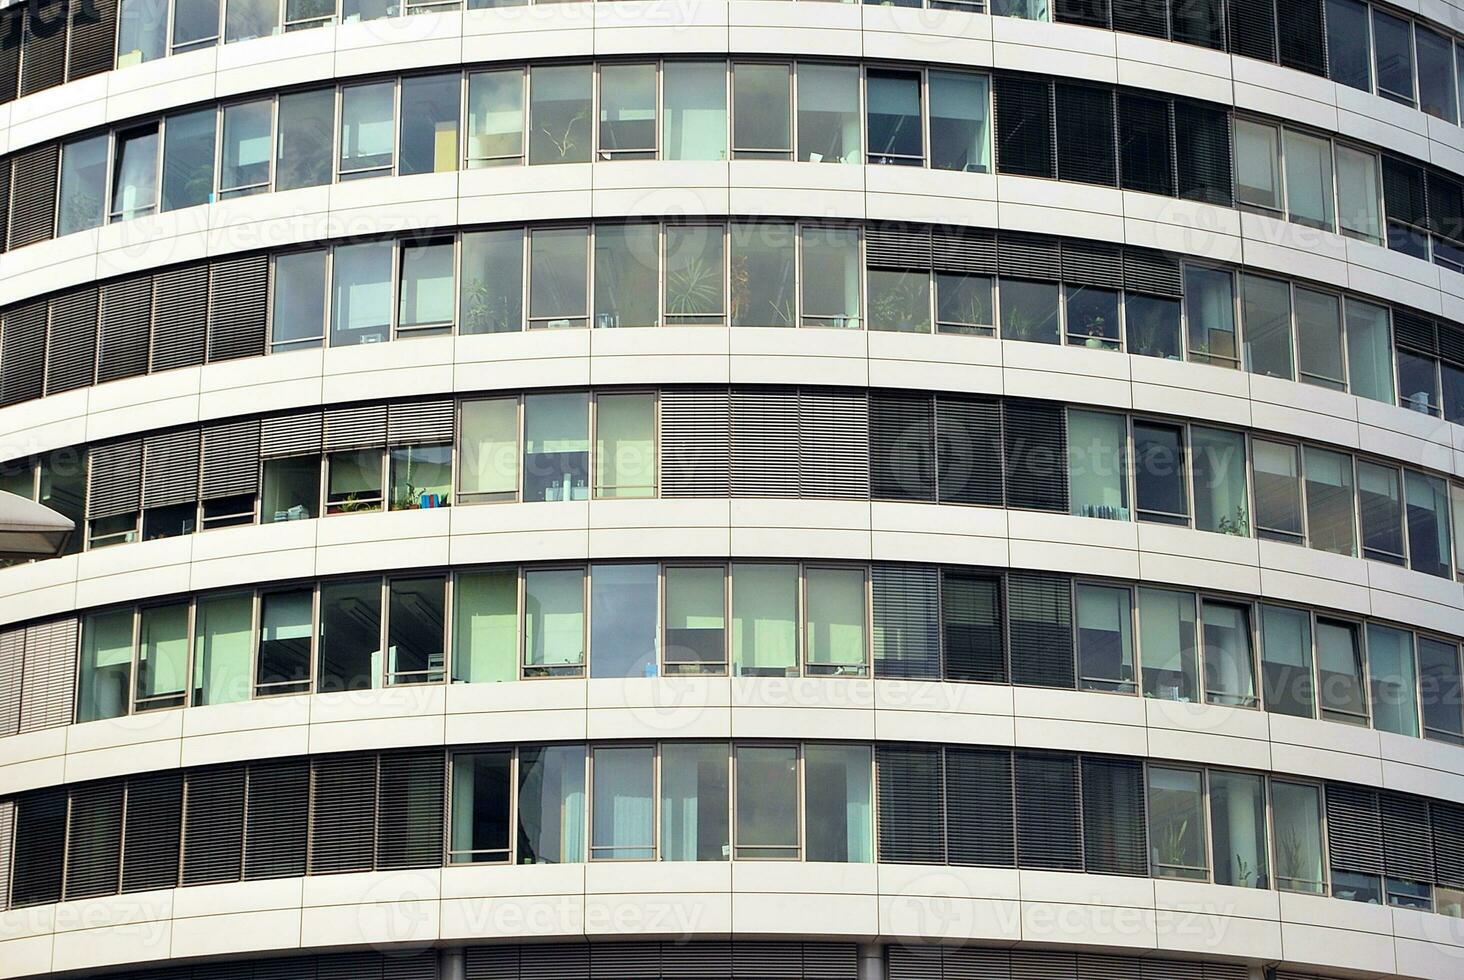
pixel 12 664
pixel 1152 273
pixel 114 479
pixel 495 963
pixel 1114 839
pixel 296 434
pixel 896 247
pixel 180 317
pixel 7 849
pixel 911 813
pixel 276 818
pixel 1404 196
pixel 1203 147
pixel 1451 342
pixel 1354 829
pixel 151 839
pixel 1303 44
pixel 696 959
pixel 1144 18
pixel 630 960
pixel 557 961
pixel 40 848
pixel 695 442
pixel 1447 820
pixel 1040 629
pixel 901 446
pixel 43 63
pixel 968 450
pixel 22 352
pixel 71 348
pixel 410 821
pixel 420 423
pixel 355 427
pixel 1035 439
pixel 170 468
pixel 764 442
pixel 420 965
pixel 1144 144
pixel 1445 206
pixel 1087 263
pixel 830 961
pixel 906 601
pixel 1253 28
pixel 1024 126
pixel 33 195
pixel 12 26
pixel 213 825
pixel 833 444
pixel 1407 837
pixel 1086 150
pixel 1043 965
pixel 342 813
pixel 5 166
pixel 126 322
pixel 94 840
pixel 348 966
pixel 972 621
pixel 1047 812
pixel 979 810
pixel 230 459
pixel 93 37
pixel 238 298
pixel 1092 13
pixel 48 682
pixel 1414 331
pixel 969 251
pixel 1029 257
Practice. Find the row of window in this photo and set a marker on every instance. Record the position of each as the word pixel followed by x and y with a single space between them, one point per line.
pixel 749 618
pixel 744 800
pixel 739 273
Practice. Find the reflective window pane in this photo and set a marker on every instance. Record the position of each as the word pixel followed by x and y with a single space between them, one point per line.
pixel 1340 685
pixel 83 184
pixel 694 100
pixel 551 805
pixel 248 19
pixel 838 803
pixel 894 117
pixel 427 295
pixel 223 644
pixel 1277 479
pixel 695 619
pixel 1369 351
pixel 761 281
pixel 195 24
pixel 1151 326
pixel 1439 690
pixel 963 304
pixel 695 806
pixel 297 318
pixel 764 619
pixel 1029 311
pixel 559 113
pixel 162 656
pixel 415 626
pixel 1238 829
pixel 1309 185
pixel 485 626
pixel 627 112
pixel 1286 662
pixel 899 300
pixel 1267 308
pixel 623 794
pixel 492 299
pixel 1429 549
pixel 285 631
pixel 1380 500
pixel 1167 645
pixel 959 135
pixel 1209 311
pixel 627 274
pixel 1394 682
pixel 625 445
pixel 421 477
pixel 1319 339
pixel 1159 480
pixel 481 795
pixel 291 489
pixel 1092 318
pixel 1177 823
pixel 1296 821
pixel 558 273
pixel 495 118
pixel 302 148
pixel 1097 477
pixel 767 801
pixel 188 159
pixel 245 152
pixel 429 135
pixel 554 622
pixel 360 305
pixel 104 689
pixel 142 31
pixel 1348 60
pixel 367 130
pixel 1393 56
pixel 135 173
pixel 1218 458
pixel 830 276
pixel 1435 74
pixel 556 446
pixel 623 620
pixel 835 601
pixel 350 636
pixel 828 113
pixel 353 482
pixel 1105 639
pixel 694 292
pixel 1258 164
pixel 489 439
pixel 1330 501
pixel 1358 194
pixel 1229 665
pixel 761 123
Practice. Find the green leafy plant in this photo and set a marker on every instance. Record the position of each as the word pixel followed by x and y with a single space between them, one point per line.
pixel 694 289
pixel 1171 843
pixel 1238 525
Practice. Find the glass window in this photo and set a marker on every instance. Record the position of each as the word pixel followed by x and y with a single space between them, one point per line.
pixel 1105 639
pixel 558 274
pixel 958 121
pixel 485 626
pixel 495 118
pixel 1092 318
pixel 1348 59
pixel 554 622
pixel 963 304
pixel 623 620
pixel 625 445
pixel 627 273
pixel 559 113
pixel 1258 164
pixel 492 298
pixel 350 636
pixel 828 113
pixel 1167 645
pixel 142 31
pixel 894 117
pixel 360 309
pixel 765 619
pixel 1209 309
pixel 1309 186
pixel 971 626
pixel 1439 688
pixel 188 159
pixel 1296 820
pixel 830 276
pixel 429 137
pixel 195 24
pixel 1428 523
pixel 694 100
pixel 302 150
pixel 1319 339
pixel 223 643
pixel 135 173
pixel 285 632
pixel 1267 306
pixel 247 19
pixel 1159 481
pixel 694 272
pixel 354 11
pixel 835 642
pixel 481 796
pixel 291 489
pixel 694 802
pixel 367 130
pixel 837 791
pixel 1286 662
pixel 623 795
pixel 1029 311
pixel 1229 667
pixel 551 805
pixel 627 112
pixel 1393 680
pixel 353 481
pixel 1340 684
pixel 899 300
pixel 1435 74
pixel 1177 823
pixel 162 657
pixel 761 124
pixel 304 14
pixel 762 259
pixel 83 184
pixel 1238 829
pixel 1097 447
pixel 1453 393
pixel 106 666
pixel 695 619
pixel 1357 194
pixel 1151 326
pixel 1330 501
pixel 1277 479
pixel 767 801
pixel 1024 9
pixel 245 153
pixel 1418 383
pixel 427 294
pixel 1393 51
pixel 1456 495
pixel 421 477
pixel 556 446
pixel 1218 458
pixel 1369 351
pixel 489 439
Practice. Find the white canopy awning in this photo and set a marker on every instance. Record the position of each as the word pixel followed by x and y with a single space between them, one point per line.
pixel 29 529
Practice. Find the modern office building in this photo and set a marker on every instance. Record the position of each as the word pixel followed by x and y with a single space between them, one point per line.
pixel 733 490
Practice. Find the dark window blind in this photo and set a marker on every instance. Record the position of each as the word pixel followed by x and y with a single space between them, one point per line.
pixel 1203 152
pixel 1024 127
pixel 410 800
pixel 40 848
pixel 1048 834
pixel 1302 41
pixel 276 818
pixel 43 63
pixel 33 195
pixel 180 317
pixel 213 825
pixel 71 347
pixel 1035 440
pixel 23 352
pixel 237 301
pixel 1253 28
pixel 151 835
pixel 1141 17
pixel 901 446
pixel 1086 150
pixel 1407 837
pixel 93 38
pixel 1145 143
pixel 764 442
pixel 833 444
pixel 342 813
pixel 968 450
pixel 1091 13
pixel 911 814
pixel 980 817
pixel 971 624
pixel 906 611
pixel 125 325
pixel 1114 837
pixel 1039 629
pixel 1354 829
pixel 696 442
pixel 94 840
